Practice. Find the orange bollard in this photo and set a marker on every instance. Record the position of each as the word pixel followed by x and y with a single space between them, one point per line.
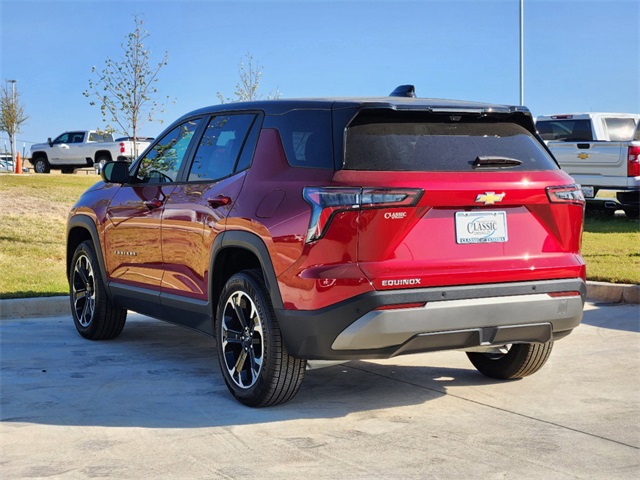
pixel 18 163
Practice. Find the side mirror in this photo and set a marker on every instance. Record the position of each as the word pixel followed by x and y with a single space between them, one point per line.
pixel 50 142
pixel 115 172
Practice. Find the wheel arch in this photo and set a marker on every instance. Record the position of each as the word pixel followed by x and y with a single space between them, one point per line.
pixel 102 153
pixel 79 229
pixel 234 251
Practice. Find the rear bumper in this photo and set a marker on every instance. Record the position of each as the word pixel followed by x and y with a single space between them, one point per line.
pixel 453 318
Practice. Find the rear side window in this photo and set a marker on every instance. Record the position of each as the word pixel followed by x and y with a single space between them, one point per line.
pixel 433 144
pixel 565 130
pixel 306 137
pixel 620 129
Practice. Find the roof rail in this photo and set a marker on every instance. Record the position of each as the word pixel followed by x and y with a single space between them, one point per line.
pixel 404 91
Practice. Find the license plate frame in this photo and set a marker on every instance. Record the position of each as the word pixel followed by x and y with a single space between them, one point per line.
pixel 481 227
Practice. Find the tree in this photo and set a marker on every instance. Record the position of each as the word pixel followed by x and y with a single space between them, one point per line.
pixel 247 88
pixel 12 113
pixel 126 89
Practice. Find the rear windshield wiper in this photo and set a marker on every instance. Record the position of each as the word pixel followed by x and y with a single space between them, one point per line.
pixel 496 162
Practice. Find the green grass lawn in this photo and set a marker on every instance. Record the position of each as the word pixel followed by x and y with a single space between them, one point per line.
pixel 33 212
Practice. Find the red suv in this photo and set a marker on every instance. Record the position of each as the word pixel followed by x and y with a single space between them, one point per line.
pixel 337 229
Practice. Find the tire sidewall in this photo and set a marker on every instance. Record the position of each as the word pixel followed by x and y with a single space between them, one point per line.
pixel 86 249
pixel 44 168
pixel 246 283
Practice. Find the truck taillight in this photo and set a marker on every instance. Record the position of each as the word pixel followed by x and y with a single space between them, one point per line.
pixel 326 202
pixel 121 147
pixel 566 194
pixel 633 162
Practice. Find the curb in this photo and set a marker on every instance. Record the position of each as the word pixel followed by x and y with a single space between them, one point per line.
pixel 598 292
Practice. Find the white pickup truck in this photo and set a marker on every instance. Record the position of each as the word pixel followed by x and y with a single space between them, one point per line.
pixel 82 148
pixel 601 151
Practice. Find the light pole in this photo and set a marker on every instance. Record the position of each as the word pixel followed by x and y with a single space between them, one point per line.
pixel 13 137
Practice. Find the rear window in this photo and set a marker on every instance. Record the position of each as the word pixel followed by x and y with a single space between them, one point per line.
pixel 620 129
pixel 439 144
pixel 565 130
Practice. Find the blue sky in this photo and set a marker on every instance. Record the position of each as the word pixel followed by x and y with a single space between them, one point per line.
pixel 580 55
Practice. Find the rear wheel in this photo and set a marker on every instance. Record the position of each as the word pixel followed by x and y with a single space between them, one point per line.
pixel 512 361
pixel 41 165
pixel 632 212
pixel 254 362
pixel 94 315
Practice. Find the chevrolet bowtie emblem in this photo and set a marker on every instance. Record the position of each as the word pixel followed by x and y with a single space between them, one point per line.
pixel 583 156
pixel 490 198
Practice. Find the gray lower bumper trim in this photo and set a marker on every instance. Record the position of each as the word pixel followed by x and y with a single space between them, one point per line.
pixel 386 328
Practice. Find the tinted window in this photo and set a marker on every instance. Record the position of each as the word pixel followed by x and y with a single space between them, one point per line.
pixel 220 146
pixel 163 161
pixel 620 129
pixel 406 144
pixel 306 137
pixel 76 137
pixel 565 130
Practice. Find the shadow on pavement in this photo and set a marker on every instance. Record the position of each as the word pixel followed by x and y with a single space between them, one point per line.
pixel 613 317
pixel 156 375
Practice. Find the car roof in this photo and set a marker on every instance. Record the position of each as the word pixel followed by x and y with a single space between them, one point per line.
pixel 282 106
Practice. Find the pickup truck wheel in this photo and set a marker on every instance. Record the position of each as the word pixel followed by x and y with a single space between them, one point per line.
pixel 94 315
pixel 41 165
pixel 254 361
pixel 632 212
pixel 512 361
pixel 101 161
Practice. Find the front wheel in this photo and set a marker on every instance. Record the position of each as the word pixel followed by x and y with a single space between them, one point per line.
pixel 41 165
pixel 94 315
pixel 254 362
pixel 512 361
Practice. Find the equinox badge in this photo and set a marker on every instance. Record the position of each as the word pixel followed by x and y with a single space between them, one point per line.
pixel 489 198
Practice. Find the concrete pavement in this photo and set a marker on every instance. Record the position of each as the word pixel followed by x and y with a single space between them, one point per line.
pixel 152 404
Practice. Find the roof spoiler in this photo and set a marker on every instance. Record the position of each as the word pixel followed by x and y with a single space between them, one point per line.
pixel 404 91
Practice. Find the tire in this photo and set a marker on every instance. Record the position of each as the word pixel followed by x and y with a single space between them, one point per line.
pixel 94 315
pixel 254 362
pixel 100 162
pixel 68 170
pixel 41 165
pixel 632 213
pixel 517 360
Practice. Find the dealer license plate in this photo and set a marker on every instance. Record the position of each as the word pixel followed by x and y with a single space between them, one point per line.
pixel 481 227
pixel 587 192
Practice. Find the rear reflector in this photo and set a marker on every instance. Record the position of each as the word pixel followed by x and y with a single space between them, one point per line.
pixel 402 305
pixel 566 194
pixel 326 202
pixel 633 162
pixel 564 294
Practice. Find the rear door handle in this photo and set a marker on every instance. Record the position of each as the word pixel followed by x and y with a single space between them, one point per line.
pixel 153 204
pixel 219 201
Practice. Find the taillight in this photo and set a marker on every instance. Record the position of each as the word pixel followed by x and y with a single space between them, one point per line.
pixel 633 162
pixel 326 202
pixel 121 147
pixel 566 194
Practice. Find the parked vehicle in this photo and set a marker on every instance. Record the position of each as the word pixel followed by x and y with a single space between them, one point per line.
pixel 79 149
pixel 601 151
pixel 337 229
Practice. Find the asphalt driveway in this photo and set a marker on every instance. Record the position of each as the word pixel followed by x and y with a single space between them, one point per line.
pixel 152 404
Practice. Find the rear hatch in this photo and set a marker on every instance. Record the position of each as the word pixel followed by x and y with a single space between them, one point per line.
pixel 455 199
